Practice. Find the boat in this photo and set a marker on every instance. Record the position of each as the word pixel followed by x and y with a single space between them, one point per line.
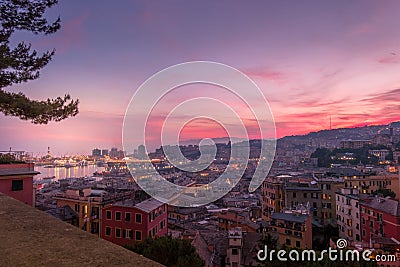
pixel 49 166
pixel 70 163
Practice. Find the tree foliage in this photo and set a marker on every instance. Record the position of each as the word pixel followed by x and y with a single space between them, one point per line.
pixel 169 252
pixel 21 63
pixel 326 156
pixel 8 158
pixel 385 192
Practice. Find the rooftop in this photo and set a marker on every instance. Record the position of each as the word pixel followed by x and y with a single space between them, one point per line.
pixel 30 237
pixel 63 213
pixel 300 218
pixel 13 169
pixel 386 205
pixel 146 206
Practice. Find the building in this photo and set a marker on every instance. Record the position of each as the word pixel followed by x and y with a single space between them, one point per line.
pixel 273 197
pixel 306 193
pixel 354 144
pixel 104 152
pixel 88 204
pixel 371 183
pixel 96 152
pixel 348 215
pixel 232 218
pixel 380 217
pixel 65 214
pixel 366 181
pixel 316 192
pixel 326 214
pixel 126 222
pixel 235 244
pixel 379 153
pixel 180 214
pixel 293 228
pixel 114 152
pixel 16 180
pixel 396 156
pixel 141 152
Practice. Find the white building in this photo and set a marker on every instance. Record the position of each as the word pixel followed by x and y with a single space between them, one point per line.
pixel 348 215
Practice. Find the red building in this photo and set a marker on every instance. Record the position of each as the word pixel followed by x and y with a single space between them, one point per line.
pixel 16 180
pixel 126 222
pixel 380 217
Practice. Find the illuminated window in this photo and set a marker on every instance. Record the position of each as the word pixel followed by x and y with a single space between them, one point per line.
pixel 350 233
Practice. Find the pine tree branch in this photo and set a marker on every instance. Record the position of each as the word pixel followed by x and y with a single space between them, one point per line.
pixel 39 112
pixel 22 64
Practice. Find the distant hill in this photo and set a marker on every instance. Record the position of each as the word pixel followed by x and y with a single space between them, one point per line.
pixel 365 132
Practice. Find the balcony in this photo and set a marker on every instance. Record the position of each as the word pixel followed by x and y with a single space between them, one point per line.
pixel 30 237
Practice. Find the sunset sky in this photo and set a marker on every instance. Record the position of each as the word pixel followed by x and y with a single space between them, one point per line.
pixel 311 59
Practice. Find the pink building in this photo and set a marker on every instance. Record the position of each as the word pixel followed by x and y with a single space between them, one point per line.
pixel 380 218
pixel 16 180
pixel 126 222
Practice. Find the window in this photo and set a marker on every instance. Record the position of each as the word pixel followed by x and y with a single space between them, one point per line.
pixel 138 235
pixel 117 215
pixel 108 231
pixel 234 251
pixel 127 216
pixel 305 195
pixel 288 242
pixel 297 244
pixel 77 207
pixel 108 215
pixel 17 185
pixel 294 194
pixel 128 233
pixel 138 218
pixel 328 187
pixel 118 232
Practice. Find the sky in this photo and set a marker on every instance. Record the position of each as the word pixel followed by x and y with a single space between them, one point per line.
pixel 312 60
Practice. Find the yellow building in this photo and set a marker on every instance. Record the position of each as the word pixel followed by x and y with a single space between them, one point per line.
pixel 88 204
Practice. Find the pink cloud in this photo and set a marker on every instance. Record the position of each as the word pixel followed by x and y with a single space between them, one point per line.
pixel 389 59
